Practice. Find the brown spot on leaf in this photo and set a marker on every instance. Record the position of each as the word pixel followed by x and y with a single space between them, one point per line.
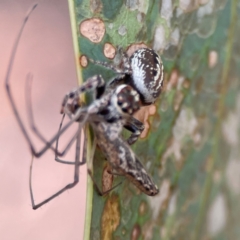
pixel 177 100
pixel 93 29
pixel 212 59
pixel 83 61
pixel 96 6
pixel 188 6
pixel 110 217
pixel 199 84
pixel 134 47
pixel 186 83
pixel 143 115
pixel 142 208
pixel 136 232
pixel 107 179
pixel 173 79
pixel 209 164
pixel 109 51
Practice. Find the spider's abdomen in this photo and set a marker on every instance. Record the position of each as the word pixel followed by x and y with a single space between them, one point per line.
pixel 147 74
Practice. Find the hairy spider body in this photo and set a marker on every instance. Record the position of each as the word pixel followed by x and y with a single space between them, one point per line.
pixel 143 71
pixel 116 103
pixel 147 74
pixel 111 104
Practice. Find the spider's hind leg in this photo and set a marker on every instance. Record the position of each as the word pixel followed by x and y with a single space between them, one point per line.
pixel 57 153
pixel 98 190
pixel 77 164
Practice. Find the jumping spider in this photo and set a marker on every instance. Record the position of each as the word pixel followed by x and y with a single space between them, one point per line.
pixel 143 71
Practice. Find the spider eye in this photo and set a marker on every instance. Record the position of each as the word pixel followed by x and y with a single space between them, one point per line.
pixel 127 99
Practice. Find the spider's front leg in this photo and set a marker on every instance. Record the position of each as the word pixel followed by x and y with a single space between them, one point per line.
pixel 134 126
pixel 96 83
pixel 73 110
pixel 123 67
pixel 77 163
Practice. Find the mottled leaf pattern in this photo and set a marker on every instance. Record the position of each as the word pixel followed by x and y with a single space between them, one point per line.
pixel 192 148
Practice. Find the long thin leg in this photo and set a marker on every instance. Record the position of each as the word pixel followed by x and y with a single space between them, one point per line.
pixel 68 186
pixel 7 85
pixel 33 126
pixel 28 88
pixel 107 65
pixel 91 84
pixel 12 102
pixel 118 80
pixel 101 193
pixel 68 146
pixel 125 66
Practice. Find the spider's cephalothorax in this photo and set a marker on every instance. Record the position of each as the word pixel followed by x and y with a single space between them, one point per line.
pixel 143 71
pixel 111 104
pixel 123 101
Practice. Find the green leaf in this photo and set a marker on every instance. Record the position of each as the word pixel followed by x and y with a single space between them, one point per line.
pixel 192 149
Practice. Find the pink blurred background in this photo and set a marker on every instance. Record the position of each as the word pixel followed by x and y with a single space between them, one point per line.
pixel 46 50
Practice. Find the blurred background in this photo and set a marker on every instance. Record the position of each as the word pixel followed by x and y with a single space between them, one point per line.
pixel 46 50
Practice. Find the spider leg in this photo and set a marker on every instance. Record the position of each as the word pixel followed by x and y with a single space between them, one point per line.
pixel 77 164
pixel 126 62
pixel 125 66
pixel 93 83
pixel 7 79
pixel 114 172
pixel 118 80
pixel 11 99
pixel 136 127
pixel 95 184
pixel 98 190
pixel 28 88
pixel 107 65
pixel 67 147
pixel 33 125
